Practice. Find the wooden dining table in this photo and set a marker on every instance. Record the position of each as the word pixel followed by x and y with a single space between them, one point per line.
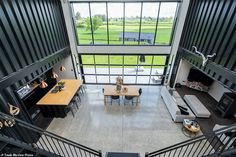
pixel 110 90
pixel 53 103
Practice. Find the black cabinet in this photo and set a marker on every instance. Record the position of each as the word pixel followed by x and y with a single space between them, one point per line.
pixel 30 100
pixel 227 105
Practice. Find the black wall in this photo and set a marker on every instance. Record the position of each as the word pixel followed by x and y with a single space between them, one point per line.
pixel 211 27
pixel 33 39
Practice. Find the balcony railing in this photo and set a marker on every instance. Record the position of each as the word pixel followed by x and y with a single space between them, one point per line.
pixel 222 141
pixel 39 139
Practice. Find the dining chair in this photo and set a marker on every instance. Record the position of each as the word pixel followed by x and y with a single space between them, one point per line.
pixel 116 98
pixel 140 91
pixel 129 99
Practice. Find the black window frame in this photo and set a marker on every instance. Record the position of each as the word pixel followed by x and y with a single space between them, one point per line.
pixel 140 24
pixel 165 66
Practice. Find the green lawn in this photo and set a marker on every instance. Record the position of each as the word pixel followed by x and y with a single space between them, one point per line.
pixel 115 28
pixel 129 60
pixel 100 35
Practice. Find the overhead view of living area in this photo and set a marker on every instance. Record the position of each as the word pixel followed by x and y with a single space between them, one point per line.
pixel 115 78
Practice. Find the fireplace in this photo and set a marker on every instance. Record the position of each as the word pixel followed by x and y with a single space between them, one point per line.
pixel 227 105
pixel 198 80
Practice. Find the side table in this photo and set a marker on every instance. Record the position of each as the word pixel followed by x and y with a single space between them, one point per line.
pixel 190 128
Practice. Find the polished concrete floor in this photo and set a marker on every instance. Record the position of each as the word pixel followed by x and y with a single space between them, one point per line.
pixel 143 128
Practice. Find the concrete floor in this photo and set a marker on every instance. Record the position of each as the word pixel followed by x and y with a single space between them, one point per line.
pixel 145 128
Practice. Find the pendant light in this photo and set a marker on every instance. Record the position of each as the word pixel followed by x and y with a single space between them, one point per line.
pixel 62 68
pixel 13 110
pixel 43 84
pixel 54 75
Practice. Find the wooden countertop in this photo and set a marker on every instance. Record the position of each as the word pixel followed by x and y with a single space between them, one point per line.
pixel 111 90
pixel 64 96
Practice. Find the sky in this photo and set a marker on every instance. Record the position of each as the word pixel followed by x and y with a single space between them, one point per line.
pixel 132 9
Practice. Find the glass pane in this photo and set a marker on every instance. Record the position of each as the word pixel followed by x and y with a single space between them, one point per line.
pixel 82 22
pixel 130 70
pixel 132 22
pixel 113 79
pixel 114 59
pixel 165 24
pixel 129 79
pixel 155 79
pixel 89 69
pixel 115 24
pixel 157 70
pixel 116 70
pixel 90 79
pixel 144 70
pixel 99 22
pixel 148 26
pixel 102 69
pixel 103 79
pixel 87 59
pixel 130 60
pixel 147 60
pixel 143 79
pixel 101 59
pixel 159 60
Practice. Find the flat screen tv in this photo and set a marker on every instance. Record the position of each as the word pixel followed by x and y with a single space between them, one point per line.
pixel 196 75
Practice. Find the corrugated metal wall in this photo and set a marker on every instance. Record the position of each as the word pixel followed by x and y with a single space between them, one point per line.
pixel 30 30
pixel 33 39
pixel 211 27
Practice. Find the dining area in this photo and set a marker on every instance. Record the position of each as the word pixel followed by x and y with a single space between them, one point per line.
pixel 116 93
pixel 65 96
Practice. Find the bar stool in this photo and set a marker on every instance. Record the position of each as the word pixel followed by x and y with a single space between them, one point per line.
pixel 78 96
pixel 81 90
pixel 71 106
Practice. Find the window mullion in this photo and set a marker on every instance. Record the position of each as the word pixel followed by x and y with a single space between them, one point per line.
pixel 91 23
pixel 123 23
pixel 158 13
pixel 108 40
pixel 140 21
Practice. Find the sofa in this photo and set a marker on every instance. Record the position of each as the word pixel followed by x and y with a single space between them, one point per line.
pixel 173 102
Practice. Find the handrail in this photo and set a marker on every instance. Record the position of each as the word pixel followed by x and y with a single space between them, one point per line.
pixel 51 142
pixel 214 139
pixel 8 140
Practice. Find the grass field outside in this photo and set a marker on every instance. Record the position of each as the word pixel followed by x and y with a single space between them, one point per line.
pixel 156 62
pixel 163 36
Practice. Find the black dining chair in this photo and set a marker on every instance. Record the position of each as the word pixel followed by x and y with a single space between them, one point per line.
pixel 140 91
pixel 129 99
pixel 116 98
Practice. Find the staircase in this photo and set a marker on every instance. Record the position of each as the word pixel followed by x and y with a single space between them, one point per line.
pixel 13 147
pixel 38 142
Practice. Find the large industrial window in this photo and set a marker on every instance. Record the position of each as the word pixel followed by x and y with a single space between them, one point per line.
pixel 124 23
pixel 134 69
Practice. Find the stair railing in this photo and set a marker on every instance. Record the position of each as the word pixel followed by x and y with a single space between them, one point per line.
pixel 44 140
pixel 217 142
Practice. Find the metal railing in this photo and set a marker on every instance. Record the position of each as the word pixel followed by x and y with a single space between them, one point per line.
pixel 219 142
pixel 38 138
